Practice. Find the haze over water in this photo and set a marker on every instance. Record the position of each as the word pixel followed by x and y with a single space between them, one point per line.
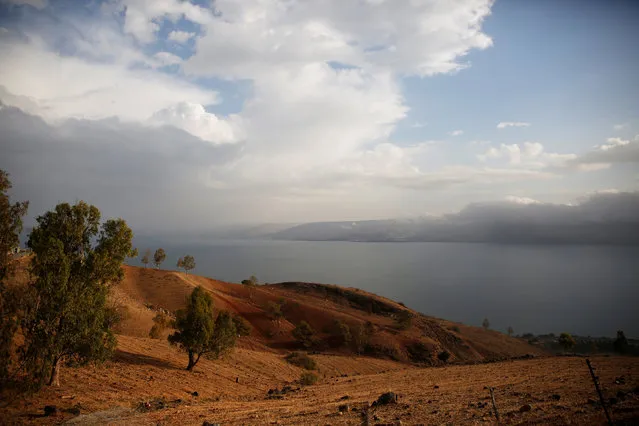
pixel 584 290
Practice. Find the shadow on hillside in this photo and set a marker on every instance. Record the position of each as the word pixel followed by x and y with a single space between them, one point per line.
pixel 139 359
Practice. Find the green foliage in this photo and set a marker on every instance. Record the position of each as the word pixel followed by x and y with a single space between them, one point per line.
pixel 146 258
pixel 419 352
pixel 161 322
pixel 307 378
pixel 443 356
pixel 361 336
pixel 252 281
pixel 75 260
pixel 10 228
pixel 242 326
pixel 302 360
pixel 158 257
pixel 198 333
pixel 188 263
pixel 304 334
pixel 566 341
pixel 485 324
pixel 621 343
pixel 403 320
pixel 274 311
pixel 341 333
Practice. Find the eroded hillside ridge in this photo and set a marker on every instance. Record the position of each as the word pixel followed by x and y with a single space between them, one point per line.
pixel 376 326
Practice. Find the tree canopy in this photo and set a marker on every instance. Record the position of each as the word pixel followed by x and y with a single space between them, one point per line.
pixel 10 228
pixel 158 257
pixel 198 333
pixel 75 260
pixel 146 257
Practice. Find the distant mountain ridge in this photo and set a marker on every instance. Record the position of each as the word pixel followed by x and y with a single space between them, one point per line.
pixel 603 218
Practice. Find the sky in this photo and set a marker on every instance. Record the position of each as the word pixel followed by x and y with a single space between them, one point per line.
pixel 191 115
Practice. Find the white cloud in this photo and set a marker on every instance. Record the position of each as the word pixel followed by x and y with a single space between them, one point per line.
pixel 456 133
pixel 167 58
pixel 530 155
pixel 64 87
pixel 620 126
pixel 615 150
pixel 38 4
pixel 522 200
pixel 194 119
pixel 180 36
pixel 141 17
pixel 504 124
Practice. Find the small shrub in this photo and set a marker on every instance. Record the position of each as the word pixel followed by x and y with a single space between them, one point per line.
pixel 456 329
pixel 485 324
pixel 418 352
pixel 302 360
pixel 304 334
pixel 566 341
pixel 307 378
pixel 444 356
pixel 621 343
pixel 404 320
pixel 242 326
pixel 340 333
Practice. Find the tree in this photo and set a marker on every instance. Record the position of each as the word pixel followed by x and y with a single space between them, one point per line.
pixel 566 341
pixel 242 326
pixel 274 311
pixel 188 263
pixel 161 322
pixel 486 324
pixel 146 258
pixel 198 333
pixel 75 261
pixel 304 334
pixel 341 333
pixel 443 356
pixel 252 281
pixel 10 228
pixel 361 336
pixel 404 320
pixel 180 263
pixel 510 331
pixel 158 257
pixel 621 343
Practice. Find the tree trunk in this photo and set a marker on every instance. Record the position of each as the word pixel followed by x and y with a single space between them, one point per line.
pixel 55 373
pixel 192 361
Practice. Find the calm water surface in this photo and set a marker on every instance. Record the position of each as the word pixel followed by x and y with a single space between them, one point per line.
pixel 586 290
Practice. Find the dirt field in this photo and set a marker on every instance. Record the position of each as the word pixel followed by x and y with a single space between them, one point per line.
pixel 558 389
pixel 146 382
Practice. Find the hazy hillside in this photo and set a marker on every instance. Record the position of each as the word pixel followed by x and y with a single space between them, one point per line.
pixel 605 218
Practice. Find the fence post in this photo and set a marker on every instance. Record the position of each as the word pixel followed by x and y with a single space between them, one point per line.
pixel 595 380
pixel 492 396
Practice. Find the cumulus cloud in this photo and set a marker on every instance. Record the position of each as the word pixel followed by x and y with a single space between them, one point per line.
pixel 456 133
pixel 504 124
pixel 615 150
pixel 194 119
pixel 64 87
pixel 528 154
pixel 180 36
pixel 167 58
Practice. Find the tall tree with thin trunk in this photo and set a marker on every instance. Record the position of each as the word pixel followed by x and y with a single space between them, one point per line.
pixel 75 261
pixel 158 257
pixel 10 228
pixel 188 263
pixel 198 333
pixel 146 258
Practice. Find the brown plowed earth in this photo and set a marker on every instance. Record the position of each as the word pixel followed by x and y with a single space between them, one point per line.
pixel 234 390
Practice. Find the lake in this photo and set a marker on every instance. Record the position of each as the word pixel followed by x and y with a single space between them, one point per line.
pixel 584 290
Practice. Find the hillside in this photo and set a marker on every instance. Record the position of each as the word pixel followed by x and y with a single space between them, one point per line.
pixel 145 383
pixel 319 305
